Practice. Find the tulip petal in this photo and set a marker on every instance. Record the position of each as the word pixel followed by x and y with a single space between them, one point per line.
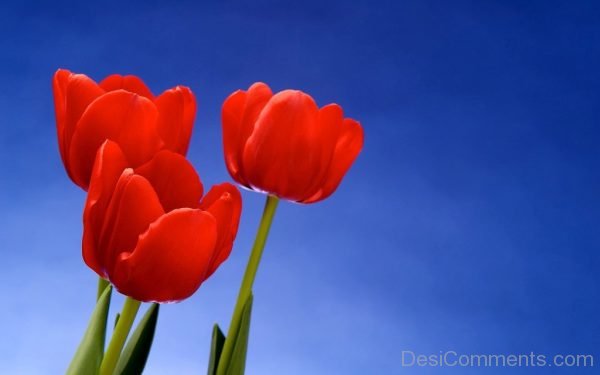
pixel 108 167
pixel 283 153
pixel 174 179
pixel 348 146
pixel 121 116
pixel 224 202
pixel 128 83
pixel 239 113
pixel 170 259
pixel 73 93
pixel 231 118
pixel 59 89
pixel 176 113
pixel 330 124
pixel 133 207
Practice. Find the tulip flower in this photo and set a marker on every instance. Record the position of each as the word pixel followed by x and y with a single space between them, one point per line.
pixel 122 109
pixel 148 231
pixel 285 145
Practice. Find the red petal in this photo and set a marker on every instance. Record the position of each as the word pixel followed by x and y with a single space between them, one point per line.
pixel 330 124
pixel 283 154
pixel 128 83
pixel 231 118
pixel 59 88
pixel 224 202
pixel 121 116
pixel 174 179
pixel 108 167
pixel 239 113
pixel 72 95
pixel 348 146
pixel 176 113
pixel 133 207
pixel 170 259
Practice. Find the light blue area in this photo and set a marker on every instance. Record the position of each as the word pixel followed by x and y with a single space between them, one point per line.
pixel 469 223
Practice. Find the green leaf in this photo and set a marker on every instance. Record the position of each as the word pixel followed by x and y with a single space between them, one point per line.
pixel 89 354
pixel 135 354
pixel 237 363
pixel 216 347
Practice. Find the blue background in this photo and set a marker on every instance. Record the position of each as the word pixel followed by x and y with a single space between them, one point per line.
pixel 468 223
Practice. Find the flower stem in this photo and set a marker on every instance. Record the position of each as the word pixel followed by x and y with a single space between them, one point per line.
pixel 248 280
pixel 102 284
pixel 113 352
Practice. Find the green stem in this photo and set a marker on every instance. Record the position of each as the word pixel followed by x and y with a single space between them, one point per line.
pixel 102 284
pixel 248 280
pixel 113 352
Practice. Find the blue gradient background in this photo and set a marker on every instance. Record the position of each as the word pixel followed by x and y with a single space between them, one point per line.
pixel 468 223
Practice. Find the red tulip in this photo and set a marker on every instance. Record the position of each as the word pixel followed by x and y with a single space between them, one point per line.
pixel 122 109
pixel 285 145
pixel 147 229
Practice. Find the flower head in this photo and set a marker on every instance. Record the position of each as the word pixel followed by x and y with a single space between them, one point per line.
pixel 122 109
pixel 149 231
pixel 284 144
